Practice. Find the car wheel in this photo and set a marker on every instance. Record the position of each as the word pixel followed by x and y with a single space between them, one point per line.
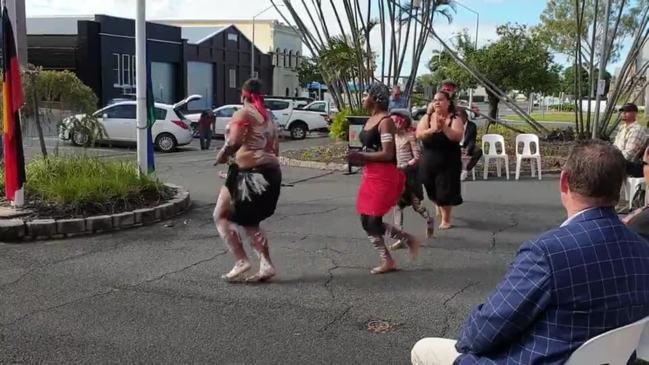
pixel 299 130
pixel 80 138
pixel 166 142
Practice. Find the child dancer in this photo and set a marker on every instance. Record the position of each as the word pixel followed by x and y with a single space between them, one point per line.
pixel 408 155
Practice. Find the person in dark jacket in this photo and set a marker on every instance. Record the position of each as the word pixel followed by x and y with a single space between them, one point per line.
pixel 470 151
pixel 205 125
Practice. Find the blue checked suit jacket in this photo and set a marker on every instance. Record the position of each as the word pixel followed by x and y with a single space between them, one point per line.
pixel 566 286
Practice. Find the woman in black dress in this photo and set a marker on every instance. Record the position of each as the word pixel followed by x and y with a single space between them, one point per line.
pixel 440 132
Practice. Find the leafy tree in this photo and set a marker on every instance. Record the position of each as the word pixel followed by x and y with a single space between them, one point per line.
pixel 308 72
pixel 516 61
pixel 568 81
pixel 61 90
pixel 558 29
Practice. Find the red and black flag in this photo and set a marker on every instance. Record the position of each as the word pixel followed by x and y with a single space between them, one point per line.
pixel 12 101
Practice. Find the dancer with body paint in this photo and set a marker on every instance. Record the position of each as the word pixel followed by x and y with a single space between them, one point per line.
pixel 382 182
pixel 408 156
pixel 252 185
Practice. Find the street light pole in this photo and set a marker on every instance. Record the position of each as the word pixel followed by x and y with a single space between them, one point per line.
pixel 252 44
pixel 140 86
pixel 477 27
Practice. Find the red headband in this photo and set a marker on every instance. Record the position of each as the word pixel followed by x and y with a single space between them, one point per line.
pixel 258 102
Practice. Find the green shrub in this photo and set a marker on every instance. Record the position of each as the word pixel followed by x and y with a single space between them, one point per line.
pixel 340 125
pixel 565 107
pixel 84 180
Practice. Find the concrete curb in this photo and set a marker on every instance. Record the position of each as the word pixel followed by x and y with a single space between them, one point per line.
pixel 17 230
pixel 329 166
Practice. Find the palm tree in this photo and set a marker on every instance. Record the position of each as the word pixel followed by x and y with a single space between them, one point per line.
pixel 353 35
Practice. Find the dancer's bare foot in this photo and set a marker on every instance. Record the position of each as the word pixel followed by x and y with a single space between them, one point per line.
pixel 386 267
pixel 398 245
pixel 430 229
pixel 413 245
pixel 240 268
pixel 445 225
pixel 262 276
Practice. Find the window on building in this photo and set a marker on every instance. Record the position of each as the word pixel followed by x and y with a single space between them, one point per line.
pixel 133 63
pixel 290 59
pixel 297 59
pixel 117 70
pixel 233 78
pixel 233 37
pixel 126 69
pixel 286 64
pixel 277 53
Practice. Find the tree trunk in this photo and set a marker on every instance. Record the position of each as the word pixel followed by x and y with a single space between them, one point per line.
pixel 493 105
pixel 39 128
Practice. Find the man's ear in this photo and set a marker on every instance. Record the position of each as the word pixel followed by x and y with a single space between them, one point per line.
pixel 563 182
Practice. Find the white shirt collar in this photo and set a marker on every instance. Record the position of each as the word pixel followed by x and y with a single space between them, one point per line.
pixel 570 219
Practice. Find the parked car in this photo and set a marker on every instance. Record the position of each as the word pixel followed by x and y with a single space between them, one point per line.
pixel 322 106
pixel 297 122
pixel 223 115
pixel 170 130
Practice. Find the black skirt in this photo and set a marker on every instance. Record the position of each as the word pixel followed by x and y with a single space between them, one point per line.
pixel 254 193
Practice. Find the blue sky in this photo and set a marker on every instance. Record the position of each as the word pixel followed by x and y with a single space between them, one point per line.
pixel 492 13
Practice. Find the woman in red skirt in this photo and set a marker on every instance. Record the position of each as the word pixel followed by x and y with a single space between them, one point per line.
pixel 383 182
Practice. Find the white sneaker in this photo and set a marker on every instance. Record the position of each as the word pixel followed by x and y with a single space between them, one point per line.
pixel 464 175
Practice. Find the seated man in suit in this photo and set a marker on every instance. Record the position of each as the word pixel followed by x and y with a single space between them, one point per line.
pixel 565 287
pixel 469 150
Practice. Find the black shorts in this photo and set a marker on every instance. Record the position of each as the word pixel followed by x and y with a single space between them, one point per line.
pixel 254 193
pixel 413 188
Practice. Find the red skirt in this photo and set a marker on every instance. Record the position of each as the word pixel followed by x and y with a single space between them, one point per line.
pixel 380 190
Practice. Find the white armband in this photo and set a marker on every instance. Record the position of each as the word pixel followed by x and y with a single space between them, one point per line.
pixel 387 137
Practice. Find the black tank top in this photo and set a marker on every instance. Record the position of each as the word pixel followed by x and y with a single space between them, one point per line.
pixel 371 138
pixel 438 150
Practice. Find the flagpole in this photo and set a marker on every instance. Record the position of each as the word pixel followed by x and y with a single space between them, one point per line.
pixel 140 73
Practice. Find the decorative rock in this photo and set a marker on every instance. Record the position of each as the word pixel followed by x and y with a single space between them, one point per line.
pixel 41 228
pixel 123 220
pixel 71 226
pixel 167 210
pixel 146 216
pixel 101 223
pixel 12 230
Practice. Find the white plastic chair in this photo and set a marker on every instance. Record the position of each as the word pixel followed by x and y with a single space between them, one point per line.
pixel 490 140
pixel 630 186
pixel 613 347
pixel 527 140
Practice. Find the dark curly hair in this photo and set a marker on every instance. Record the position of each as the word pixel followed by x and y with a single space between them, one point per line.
pixel 380 94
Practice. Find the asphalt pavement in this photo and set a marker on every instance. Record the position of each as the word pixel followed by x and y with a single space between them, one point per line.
pixel 154 294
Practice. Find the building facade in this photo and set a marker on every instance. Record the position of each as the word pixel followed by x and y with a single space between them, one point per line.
pixel 271 37
pixel 100 49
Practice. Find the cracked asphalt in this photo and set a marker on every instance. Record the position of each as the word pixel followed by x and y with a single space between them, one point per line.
pixel 154 294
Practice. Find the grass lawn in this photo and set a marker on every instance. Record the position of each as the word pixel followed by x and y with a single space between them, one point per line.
pixel 563 117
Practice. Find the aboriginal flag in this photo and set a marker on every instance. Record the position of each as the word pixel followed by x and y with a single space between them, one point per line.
pixel 12 101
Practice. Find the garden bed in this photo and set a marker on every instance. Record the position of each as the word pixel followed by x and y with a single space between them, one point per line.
pixel 82 186
pixel 553 155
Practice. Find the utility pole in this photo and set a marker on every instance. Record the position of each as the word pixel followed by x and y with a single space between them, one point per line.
pixel 140 87
pixel 601 83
